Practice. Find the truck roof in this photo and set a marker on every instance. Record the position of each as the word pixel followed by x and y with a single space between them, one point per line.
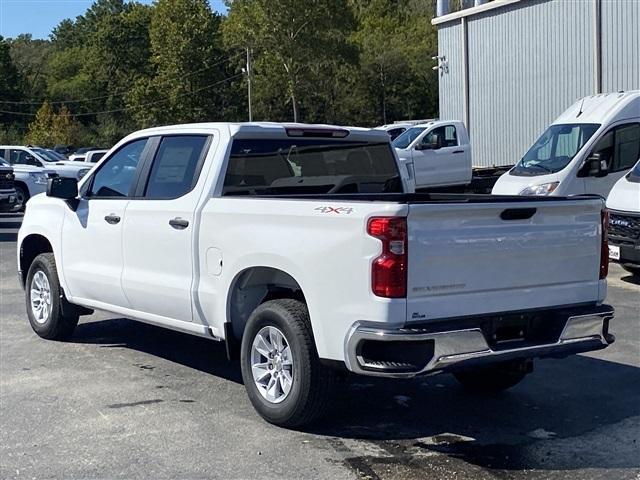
pixel 602 108
pixel 267 129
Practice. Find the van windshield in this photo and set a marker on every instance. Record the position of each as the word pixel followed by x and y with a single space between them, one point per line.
pixel 407 138
pixel 634 174
pixel 310 166
pixel 555 149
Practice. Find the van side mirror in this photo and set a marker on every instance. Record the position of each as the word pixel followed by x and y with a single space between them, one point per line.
pixel 64 188
pixel 595 166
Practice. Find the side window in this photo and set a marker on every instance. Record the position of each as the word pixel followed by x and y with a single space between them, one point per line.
pixel 176 166
pixel 115 177
pixel 97 156
pixel 447 136
pixel 18 157
pixel 620 147
pixel 450 136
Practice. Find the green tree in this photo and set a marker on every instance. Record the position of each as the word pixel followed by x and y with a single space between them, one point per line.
pixel 187 83
pixel 49 127
pixel 295 44
pixel 10 84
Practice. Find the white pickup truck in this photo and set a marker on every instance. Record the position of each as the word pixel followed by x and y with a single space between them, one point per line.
pixel 297 246
pixel 436 156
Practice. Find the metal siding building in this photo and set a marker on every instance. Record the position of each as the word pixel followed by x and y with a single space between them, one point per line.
pixel 510 67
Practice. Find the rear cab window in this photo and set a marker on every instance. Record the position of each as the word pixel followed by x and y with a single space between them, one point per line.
pixel 310 166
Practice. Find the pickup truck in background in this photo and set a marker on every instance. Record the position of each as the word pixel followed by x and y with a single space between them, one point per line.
pixel 623 204
pixel 298 246
pixel 436 156
pixel 42 158
pixel 27 182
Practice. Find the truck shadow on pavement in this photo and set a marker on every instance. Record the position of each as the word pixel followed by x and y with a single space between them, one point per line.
pixel 575 413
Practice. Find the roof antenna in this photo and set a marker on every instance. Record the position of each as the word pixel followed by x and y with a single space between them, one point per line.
pixel 581 105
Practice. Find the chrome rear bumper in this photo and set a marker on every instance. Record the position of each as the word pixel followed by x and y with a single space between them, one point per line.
pixel 460 348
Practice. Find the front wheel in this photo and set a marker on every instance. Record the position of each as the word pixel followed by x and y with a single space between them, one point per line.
pixel 22 195
pixel 43 295
pixel 494 378
pixel 282 373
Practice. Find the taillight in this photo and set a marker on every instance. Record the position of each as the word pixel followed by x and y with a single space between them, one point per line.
pixel 389 270
pixel 604 244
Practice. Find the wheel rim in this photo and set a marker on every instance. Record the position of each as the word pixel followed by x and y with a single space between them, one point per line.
pixel 40 297
pixel 272 364
pixel 19 199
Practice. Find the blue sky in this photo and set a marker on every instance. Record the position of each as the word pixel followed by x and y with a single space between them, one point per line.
pixel 38 17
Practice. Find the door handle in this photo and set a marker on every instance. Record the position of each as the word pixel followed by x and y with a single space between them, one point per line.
pixel 458 151
pixel 112 219
pixel 179 223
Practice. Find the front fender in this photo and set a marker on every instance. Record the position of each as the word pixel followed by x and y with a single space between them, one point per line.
pixel 44 216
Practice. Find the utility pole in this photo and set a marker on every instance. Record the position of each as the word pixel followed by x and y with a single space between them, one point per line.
pixel 249 83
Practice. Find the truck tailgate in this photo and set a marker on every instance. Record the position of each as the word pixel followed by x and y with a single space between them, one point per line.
pixel 475 258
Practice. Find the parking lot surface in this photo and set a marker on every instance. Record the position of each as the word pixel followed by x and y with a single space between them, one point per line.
pixel 128 400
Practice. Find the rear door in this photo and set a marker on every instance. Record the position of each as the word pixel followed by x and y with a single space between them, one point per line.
pixel 159 228
pixel 475 258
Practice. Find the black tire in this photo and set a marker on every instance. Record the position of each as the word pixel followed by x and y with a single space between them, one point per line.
pixel 494 378
pixel 22 195
pixel 631 269
pixel 312 382
pixel 55 325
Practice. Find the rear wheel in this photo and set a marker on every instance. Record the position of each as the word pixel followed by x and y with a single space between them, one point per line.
pixel 282 373
pixel 43 295
pixel 494 378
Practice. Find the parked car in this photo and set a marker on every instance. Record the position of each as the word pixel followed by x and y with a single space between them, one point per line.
pixel 7 187
pixel 587 149
pixel 28 181
pixel 92 156
pixel 40 157
pixel 79 154
pixel 395 129
pixel 624 221
pixel 298 247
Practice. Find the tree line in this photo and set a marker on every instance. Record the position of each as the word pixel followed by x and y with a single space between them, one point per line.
pixel 123 66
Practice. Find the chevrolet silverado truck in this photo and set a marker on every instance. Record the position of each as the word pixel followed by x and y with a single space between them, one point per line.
pixel 299 247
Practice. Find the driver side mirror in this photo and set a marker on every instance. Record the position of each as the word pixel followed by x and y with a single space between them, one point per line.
pixel 596 166
pixel 64 188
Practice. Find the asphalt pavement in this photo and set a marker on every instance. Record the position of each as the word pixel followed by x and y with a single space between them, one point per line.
pixel 128 400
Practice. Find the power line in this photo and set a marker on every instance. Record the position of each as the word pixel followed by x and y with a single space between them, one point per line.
pixel 123 92
pixel 136 106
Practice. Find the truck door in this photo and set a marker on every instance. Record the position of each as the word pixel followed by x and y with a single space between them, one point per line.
pixel 620 147
pixel 92 235
pixel 439 159
pixel 159 228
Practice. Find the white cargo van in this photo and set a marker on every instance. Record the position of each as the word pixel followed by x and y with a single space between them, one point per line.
pixel 624 221
pixel 586 150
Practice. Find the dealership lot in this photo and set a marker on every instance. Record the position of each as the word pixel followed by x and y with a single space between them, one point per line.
pixel 128 400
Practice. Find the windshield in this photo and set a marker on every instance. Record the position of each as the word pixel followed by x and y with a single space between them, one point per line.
pixel 634 174
pixel 555 149
pixel 45 155
pixel 310 166
pixel 3 162
pixel 407 138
